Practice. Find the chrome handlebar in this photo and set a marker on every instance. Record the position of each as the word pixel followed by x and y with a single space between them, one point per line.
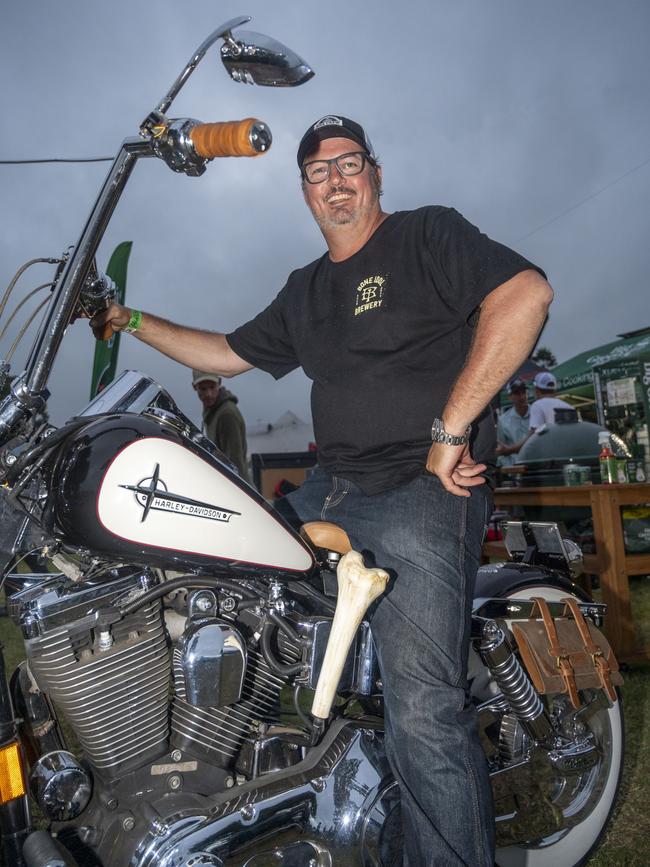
pixel 268 63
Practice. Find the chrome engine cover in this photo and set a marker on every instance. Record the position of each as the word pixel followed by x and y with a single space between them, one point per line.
pixel 340 801
pixel 216 734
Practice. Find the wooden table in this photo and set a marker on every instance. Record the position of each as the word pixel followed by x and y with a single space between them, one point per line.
pixel 610 562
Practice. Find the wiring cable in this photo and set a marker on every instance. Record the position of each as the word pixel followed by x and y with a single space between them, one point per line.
pixel 582 201
pixel 57 160
pixel 182 582
pixel 18 275
pixel 21 304
pixel 549 222
pixel 22 331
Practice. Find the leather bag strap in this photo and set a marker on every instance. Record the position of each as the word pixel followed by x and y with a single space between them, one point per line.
pixel 581 623
pixel 556 650
pixel 554 642
pixel 600 663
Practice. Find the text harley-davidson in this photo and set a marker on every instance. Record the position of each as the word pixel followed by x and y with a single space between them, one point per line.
pixel 220 708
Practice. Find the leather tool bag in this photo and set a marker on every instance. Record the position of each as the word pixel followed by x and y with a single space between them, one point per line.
pixel 566 654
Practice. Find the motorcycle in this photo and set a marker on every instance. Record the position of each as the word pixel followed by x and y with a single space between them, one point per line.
pixel 180 631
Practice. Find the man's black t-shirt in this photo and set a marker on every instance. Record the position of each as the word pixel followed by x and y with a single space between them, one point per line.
pixel 383 336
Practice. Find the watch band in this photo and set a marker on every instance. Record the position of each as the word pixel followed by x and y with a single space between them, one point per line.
pixel 440 435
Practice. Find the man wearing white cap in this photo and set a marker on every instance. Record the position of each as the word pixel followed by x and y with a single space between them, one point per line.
pixel 542 410
pixel 407 325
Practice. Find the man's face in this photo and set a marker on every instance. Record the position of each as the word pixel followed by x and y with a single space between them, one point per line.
pixel 208 392
pixel 519 399
pixel 342 201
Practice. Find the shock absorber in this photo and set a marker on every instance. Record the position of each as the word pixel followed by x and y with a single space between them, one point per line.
pixel 513 681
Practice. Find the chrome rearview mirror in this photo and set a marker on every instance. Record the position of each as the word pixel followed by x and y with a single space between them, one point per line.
pixel 254 58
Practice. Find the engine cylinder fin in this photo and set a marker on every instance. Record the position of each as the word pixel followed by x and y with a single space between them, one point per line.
pixel 116 700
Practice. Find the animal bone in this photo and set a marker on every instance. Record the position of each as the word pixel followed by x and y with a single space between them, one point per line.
pixel 358 587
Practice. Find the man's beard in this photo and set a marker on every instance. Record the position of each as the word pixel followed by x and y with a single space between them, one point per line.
pixel 348 214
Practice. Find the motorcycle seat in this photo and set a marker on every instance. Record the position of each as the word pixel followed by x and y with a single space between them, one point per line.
pixel 322 534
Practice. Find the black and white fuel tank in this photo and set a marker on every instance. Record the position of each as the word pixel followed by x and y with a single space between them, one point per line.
pixel 145 487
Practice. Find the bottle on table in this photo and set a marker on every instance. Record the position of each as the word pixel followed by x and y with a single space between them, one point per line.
pixel 606 459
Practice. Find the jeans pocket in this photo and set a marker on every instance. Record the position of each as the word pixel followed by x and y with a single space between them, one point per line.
pixel 340 488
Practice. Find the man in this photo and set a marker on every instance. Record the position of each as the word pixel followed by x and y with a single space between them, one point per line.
pixel 223 423
pixel 542 410
pixel 513 426
pixel 405 327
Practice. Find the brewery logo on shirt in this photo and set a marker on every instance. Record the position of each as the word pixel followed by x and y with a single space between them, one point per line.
pixel 369 294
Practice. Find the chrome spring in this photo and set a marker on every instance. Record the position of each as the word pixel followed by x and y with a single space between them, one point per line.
pixel 517 688
pixel 513 681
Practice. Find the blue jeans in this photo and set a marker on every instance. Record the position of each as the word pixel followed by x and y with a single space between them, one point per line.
pixel 429 541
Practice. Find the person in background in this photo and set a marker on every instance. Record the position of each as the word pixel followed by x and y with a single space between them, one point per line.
pixel 223 423
pixel 513 427
pixel 542 410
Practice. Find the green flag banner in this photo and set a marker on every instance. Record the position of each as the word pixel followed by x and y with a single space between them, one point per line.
pixel 105 363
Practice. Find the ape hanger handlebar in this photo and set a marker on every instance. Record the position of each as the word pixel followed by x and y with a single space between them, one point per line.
pixel 186 145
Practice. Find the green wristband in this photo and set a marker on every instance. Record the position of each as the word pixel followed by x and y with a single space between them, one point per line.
pixel 134 322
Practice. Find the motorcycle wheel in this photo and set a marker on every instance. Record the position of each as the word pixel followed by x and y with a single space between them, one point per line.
pixel 572 847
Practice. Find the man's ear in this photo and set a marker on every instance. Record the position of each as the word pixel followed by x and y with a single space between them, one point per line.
pixel 378 179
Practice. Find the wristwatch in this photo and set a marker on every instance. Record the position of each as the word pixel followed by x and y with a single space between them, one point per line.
pixel 440 435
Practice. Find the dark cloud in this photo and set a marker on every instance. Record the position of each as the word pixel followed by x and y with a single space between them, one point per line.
pixel 511 112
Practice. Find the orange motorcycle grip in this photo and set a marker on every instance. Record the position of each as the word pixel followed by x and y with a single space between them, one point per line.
pixel 234 138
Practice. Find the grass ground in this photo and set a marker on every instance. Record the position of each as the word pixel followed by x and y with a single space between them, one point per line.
pixel 628 839
pixel 627 842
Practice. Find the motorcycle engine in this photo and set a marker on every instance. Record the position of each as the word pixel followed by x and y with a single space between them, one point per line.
pixel 112 682
pixel 175 710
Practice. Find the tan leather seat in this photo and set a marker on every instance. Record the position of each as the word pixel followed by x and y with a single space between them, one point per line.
pixel 322 534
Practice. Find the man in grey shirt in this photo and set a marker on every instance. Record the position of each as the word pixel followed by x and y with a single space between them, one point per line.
pixel 513 427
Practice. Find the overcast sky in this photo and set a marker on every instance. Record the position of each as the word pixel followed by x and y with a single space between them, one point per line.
pixel 512 111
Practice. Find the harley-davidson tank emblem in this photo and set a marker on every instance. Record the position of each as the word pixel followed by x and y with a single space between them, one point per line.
pixel 151 493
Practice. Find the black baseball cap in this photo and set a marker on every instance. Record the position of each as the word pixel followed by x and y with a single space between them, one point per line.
pixel 516 384
pixel 333 126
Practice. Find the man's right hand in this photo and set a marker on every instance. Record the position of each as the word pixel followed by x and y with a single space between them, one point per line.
pixel 116 316
pixel 193 347
pixel 455 467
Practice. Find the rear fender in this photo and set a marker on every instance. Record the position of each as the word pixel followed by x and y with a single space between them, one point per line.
pixel 495 580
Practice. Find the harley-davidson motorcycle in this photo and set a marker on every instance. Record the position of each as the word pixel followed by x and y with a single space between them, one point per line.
pixel 200 684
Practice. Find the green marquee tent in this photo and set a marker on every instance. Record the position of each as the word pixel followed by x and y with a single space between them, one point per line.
pixel 574 377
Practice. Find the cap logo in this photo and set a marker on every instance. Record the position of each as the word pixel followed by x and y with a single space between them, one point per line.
pixel 328 120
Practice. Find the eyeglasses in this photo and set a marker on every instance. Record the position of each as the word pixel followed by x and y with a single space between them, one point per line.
pixel 347 165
